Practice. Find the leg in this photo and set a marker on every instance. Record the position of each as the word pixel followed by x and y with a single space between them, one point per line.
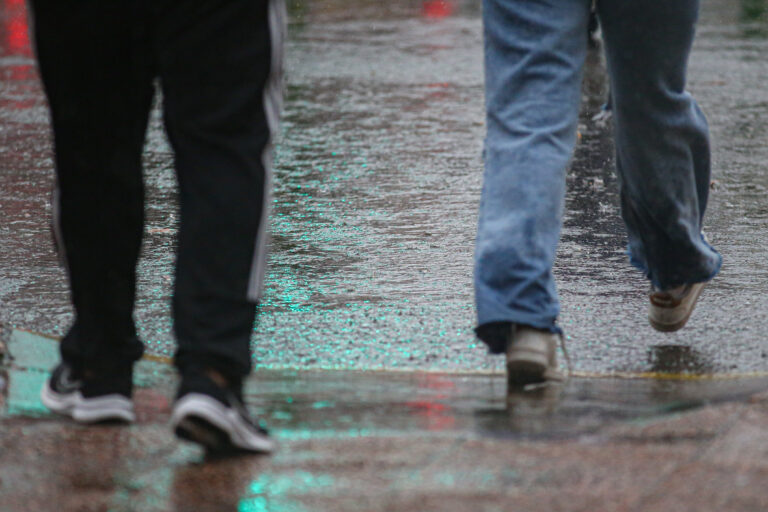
pixel 662 139
pixel 219 65
pixel 99 90
pixel 221 101
pixel 534 51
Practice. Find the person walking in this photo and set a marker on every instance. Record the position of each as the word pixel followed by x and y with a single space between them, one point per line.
pixel 218 64
pixel 534 54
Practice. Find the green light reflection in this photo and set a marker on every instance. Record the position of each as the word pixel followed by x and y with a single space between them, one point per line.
pixel 270 492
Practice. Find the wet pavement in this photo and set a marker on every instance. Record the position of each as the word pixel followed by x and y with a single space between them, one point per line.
pixel 367 370
pixel 397 441
pixel 323 403
pixel 378 175
pixel 392 441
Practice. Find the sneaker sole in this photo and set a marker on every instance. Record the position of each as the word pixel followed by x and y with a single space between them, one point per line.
pixel 108 408
pixel 58 403
pixel 675 325
pixel 198 430
pixel 203 420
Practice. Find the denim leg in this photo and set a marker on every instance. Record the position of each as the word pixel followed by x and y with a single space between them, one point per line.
pixel 662 138
pixel 534 51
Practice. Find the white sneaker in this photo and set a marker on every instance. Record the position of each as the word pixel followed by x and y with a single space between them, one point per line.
pixel 532 357
pixel 669 310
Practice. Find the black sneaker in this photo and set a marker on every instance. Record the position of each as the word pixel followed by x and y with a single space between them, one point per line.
pixel 92 400
pixel 215 417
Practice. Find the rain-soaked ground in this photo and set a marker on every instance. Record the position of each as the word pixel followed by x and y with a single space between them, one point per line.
pixel 378 175
pixel 378 178
pixel 397 441
pixel 332 404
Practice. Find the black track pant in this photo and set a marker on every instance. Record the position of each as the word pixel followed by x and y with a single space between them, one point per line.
pixel 218 63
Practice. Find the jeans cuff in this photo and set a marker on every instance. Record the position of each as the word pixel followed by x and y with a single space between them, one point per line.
pixel 496 334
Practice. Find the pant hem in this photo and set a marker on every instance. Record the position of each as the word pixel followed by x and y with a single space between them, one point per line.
pixel 496 334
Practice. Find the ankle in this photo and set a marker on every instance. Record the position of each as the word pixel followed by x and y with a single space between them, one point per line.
pixel 217 377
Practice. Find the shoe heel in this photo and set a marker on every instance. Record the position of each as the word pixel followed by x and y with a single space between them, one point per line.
pixel 202 432
pixel 526 368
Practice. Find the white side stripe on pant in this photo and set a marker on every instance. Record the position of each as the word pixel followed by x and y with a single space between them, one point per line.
pixel 273 98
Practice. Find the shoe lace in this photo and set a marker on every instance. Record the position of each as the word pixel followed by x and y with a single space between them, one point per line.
pixel 566 356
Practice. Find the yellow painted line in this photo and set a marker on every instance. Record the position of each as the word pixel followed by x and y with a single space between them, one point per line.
pixel 54 338
pixel 577 374
pixel 670 376
pixel 147 357
pixel 157 359
pixel 691 377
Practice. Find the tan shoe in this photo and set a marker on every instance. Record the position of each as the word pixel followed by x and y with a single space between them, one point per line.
pixel 532 357
pixel 670 309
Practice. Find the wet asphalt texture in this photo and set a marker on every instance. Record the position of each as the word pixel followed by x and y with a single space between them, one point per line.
pixel 396 441
pixel 378 171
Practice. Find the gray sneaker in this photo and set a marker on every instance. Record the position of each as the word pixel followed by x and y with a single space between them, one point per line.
pixel 532 357
pixel 670 309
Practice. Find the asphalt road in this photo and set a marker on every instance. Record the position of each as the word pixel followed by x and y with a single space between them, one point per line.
pixel 378 176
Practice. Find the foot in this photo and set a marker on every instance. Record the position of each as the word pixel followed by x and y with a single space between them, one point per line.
pixel 670 309
pixel 532 357
pixel 209 411
pixel 88 399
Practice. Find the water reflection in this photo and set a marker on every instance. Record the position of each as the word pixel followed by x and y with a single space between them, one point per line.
pixel 331 414
pixel 679 359
pixel 280 492
pixel 434 411
pixel 98 452
pixel 754 16
pixel 17 73
pixel 216 485
pixel 531 411
pixel 307 11
pixel 585 406
pixel 14 28
pixel 754 10
pixel 77 469
pixel 436 9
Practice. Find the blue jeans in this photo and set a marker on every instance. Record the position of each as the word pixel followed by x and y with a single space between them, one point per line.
pixel 534 54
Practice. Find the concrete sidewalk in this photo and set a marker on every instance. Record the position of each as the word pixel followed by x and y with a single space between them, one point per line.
pixel 399 441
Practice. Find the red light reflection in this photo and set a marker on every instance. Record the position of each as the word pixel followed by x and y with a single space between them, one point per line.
pixel 437 415
pixel 14 27
pixel 437 9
